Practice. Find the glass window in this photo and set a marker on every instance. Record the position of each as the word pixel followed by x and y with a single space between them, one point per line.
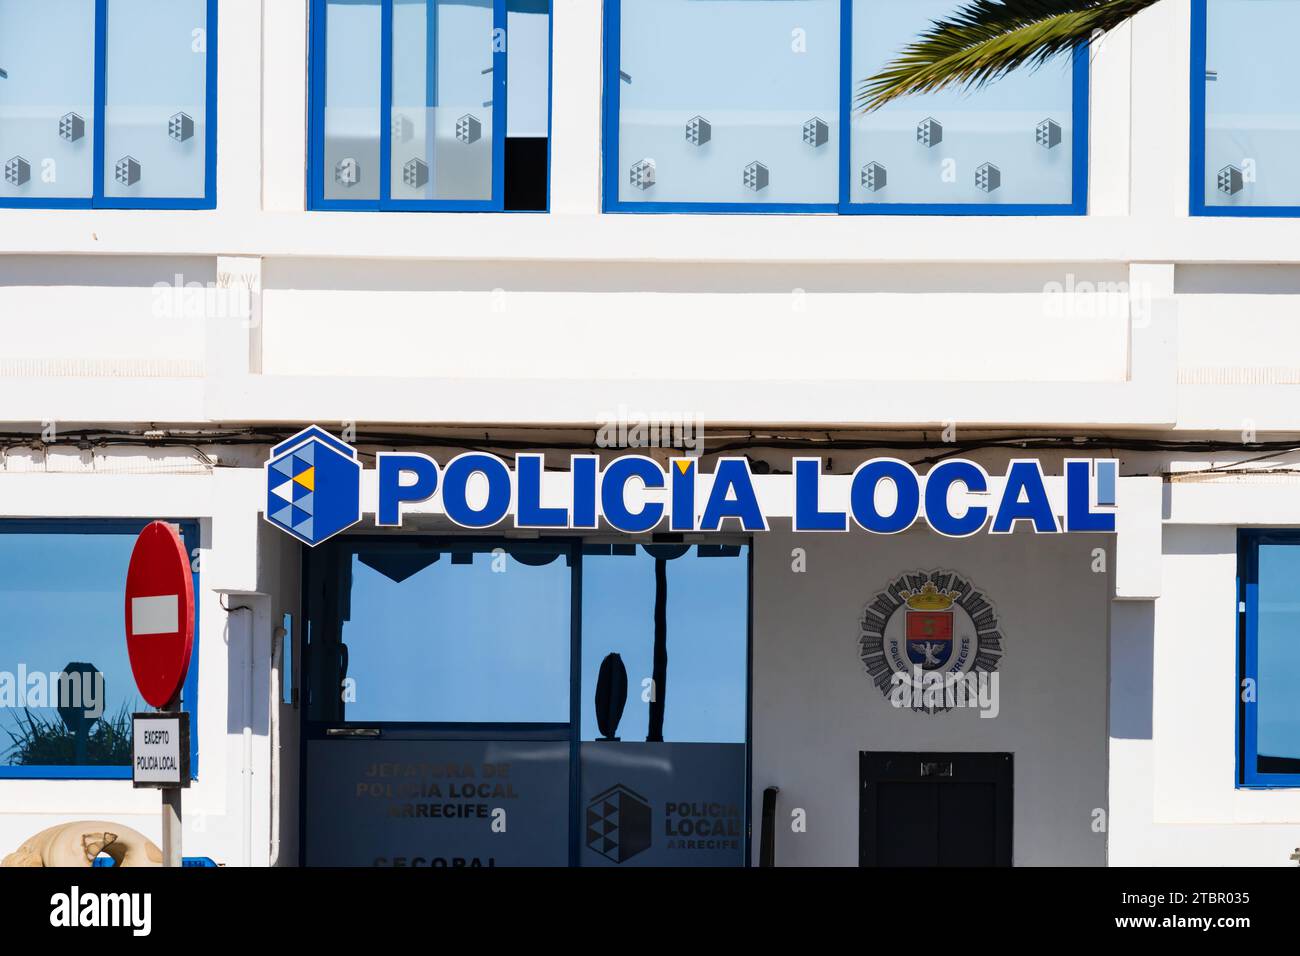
pixel 155 109
pixel 735 105
pixel 411 104
pixel 350 108
pixel 726 103
pixel 665 664
pixel 471 633
pixel 1247 72
pixel 47 99
pixel 66 688
pixel 1011 143
pixel 528 113
pixel 442 81
pixel 1271 708
pixel 697 692
pixel 127 124
pixel 431 653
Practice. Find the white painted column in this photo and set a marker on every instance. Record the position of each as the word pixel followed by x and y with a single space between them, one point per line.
pixel 239 106
pixel 576 94
pixel 284 106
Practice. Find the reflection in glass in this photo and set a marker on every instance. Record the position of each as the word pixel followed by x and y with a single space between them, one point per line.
pixel 155 113
pixel 664 688
pixel 1011 142
pixel 66 687
pixel 454 635
pixel 441 121
pixel 353 48
pixel 1252 119
pixel 47 115
pixel 729 101
pixel 1277 739
pixel 677 617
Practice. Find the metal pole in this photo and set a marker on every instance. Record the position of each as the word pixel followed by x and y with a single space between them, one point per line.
pixel 171 814
pixel 171 826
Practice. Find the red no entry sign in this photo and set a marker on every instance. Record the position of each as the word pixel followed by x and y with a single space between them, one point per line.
pixel 159 613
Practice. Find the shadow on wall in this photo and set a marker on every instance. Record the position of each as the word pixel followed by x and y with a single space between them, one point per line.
pixel 679 277
pixel 1132 666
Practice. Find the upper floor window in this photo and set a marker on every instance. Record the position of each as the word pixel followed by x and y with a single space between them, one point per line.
pixel 430 104
pixel 108 103
pixel 66 688
pixel 1269 719
pixel 743 105
pixel 1018 145
pixel 1245 125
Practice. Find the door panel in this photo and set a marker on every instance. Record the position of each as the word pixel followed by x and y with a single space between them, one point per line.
pixel 437 802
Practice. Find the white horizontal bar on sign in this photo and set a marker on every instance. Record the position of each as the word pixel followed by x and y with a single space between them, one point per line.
pixel 155 615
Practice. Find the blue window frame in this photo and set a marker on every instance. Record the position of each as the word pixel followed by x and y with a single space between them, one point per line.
pixel 61 599
pixel 1268 724
pixel 720 106
pixel 1245 117
pixel 108 104
pixel 409 104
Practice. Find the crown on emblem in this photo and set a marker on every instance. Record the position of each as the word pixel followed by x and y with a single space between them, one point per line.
pixel 929 598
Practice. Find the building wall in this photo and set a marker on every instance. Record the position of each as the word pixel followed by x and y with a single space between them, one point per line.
pixel 1173 721
pixel 815 707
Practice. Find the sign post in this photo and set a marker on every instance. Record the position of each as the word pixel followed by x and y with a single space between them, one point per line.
pixel 159 615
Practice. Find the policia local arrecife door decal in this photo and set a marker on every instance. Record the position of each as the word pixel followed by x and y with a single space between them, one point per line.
pixel 931 641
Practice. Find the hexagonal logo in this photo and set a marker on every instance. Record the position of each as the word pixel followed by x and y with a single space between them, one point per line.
pixel 313 486
pixel 618 823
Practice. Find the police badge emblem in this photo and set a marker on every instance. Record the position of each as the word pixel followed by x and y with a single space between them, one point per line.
pixel 929 633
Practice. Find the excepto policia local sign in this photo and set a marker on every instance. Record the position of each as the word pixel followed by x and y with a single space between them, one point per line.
pixel 160 749
pixel 314 492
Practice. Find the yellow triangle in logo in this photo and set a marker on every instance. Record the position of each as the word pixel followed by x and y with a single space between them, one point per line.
pixel 307 479
pixel 683 464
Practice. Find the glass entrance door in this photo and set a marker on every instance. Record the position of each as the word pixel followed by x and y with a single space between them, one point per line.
pixel 500 703
pixel 439 707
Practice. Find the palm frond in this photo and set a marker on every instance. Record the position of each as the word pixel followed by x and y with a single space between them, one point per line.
pixel 986 39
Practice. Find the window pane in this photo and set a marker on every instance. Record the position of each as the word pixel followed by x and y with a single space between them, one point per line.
pixel 442 110
pixel 47 117
pixel 528 23
pixel 663 784
pixel 155 111
pixel 1252 123
pixel 1277 741
pixel 456 636
pixel 729 101
pixel 353 29
pixel 706 640
pixel 61 612
pixel 1011 142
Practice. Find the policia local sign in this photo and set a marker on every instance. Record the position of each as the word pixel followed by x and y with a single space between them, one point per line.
pixel 160 749
pixel 314 493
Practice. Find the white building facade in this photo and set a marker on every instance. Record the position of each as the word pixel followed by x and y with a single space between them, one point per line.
pixel 919 296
